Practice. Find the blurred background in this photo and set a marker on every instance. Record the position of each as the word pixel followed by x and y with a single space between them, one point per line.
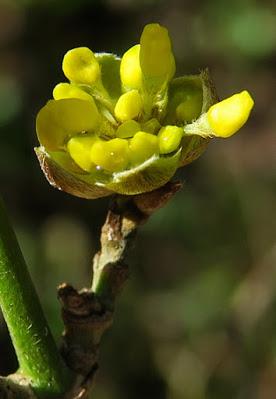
pixel 197 319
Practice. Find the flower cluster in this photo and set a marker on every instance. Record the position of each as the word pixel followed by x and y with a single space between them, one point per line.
pixel 124 125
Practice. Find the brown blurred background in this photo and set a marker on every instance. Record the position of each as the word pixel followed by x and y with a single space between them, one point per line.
pixel 197 320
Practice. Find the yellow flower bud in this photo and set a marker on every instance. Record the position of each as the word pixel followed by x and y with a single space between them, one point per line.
pixel 156 57
pixel 67 90
pixel 128 129
pixel 79 148
pixel 151 126
pixel 228 116
pixel 185 100
pixel 59 120
pixel 223 118
pixel 112 155
pixel 130 70
pixel 81 66
pixel 129 106
pixel 169 138
pixel 189 109
pixel 142 147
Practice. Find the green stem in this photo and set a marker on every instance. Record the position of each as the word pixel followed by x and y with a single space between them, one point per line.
pixel 36 350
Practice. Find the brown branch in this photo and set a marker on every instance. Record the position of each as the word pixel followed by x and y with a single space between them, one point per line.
pixel 88 313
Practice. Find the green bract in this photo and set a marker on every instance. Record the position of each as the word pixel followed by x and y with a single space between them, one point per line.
pixel 118 126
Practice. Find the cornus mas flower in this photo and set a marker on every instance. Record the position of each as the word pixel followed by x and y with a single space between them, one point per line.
pixel 124 125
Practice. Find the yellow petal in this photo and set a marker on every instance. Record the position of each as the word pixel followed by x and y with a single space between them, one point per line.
pixel 110 155
pixel 142 147
pixel 79 148
pixel 156 57
pixel 129 106
pixel 169 138
pixel 81 66
pixel 228 116
pixel 130 70
pixel 185 98
pixel 190 108
pixel 59 120
pixel 128 129
pixel 67 90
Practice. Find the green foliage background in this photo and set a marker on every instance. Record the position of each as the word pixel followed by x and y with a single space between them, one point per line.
pixel 197 319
